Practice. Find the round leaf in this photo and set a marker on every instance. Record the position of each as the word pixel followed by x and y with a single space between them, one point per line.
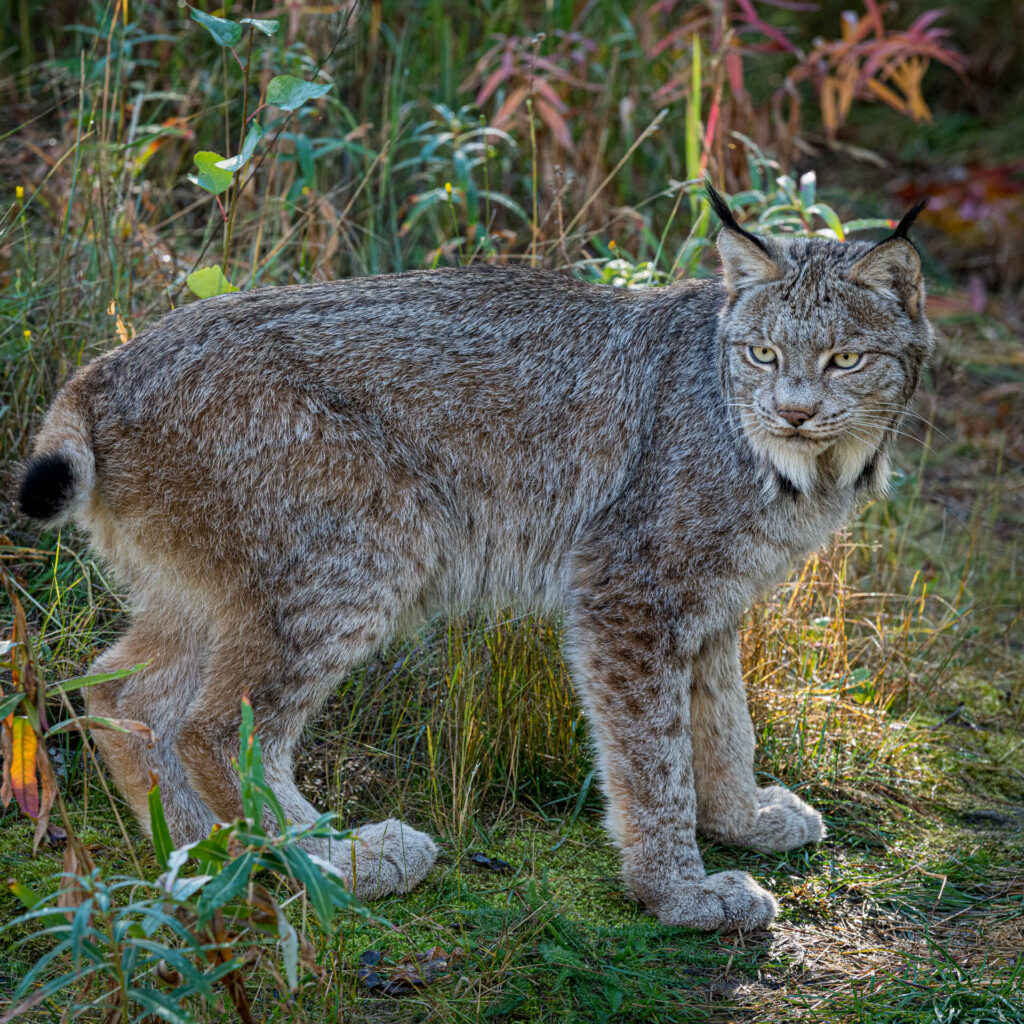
pixel 211 175
pixel 208 282
pixel 227 33
pixel 289 93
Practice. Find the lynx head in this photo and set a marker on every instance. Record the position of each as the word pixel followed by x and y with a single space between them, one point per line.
pixel 823 346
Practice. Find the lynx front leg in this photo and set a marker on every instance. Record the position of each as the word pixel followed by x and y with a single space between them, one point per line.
pixel 637 696
pixel 730 807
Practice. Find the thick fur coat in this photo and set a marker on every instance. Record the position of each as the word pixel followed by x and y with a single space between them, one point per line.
pixel 284 479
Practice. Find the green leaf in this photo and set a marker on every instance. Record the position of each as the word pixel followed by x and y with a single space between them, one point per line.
pixel 289 93
pixel 808 184
pixel 156 1004
pixel 10 702
pixel 252 138
pixel 81 682
pixel 830 217
pixel 209 281
pixel 226 886
pixel 867 224
pixel 211 175
pixel 265 25
pixel 227 33
pixel 29 897
pixel 211 852
pixel 502 200
pixel 162 842
pixel 318 888
pixel 289 948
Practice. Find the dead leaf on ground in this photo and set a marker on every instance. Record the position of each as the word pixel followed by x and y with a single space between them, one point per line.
pixel 414 971
pixel 481 860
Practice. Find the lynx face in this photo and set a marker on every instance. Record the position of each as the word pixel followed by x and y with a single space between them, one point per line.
pixel 817 357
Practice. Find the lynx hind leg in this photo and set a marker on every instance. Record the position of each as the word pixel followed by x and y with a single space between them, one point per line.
pixel 730 806
pixel 154 695
pixel 784 821
pixel 637 701
pixel 286 684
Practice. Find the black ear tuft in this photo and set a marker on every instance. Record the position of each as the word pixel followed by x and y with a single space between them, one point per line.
pixel 47 486
pixel 721 208
pixel 908 220
pixel 725 215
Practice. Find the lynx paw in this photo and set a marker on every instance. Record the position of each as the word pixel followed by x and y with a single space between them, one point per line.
pixel 728 901
pixel 388 857
pixel 784 821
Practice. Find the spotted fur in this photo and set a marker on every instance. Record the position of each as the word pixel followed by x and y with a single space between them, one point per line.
pixel 285 479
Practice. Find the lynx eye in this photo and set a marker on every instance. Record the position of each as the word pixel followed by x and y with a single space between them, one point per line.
pixel 760 354
pixel 845 360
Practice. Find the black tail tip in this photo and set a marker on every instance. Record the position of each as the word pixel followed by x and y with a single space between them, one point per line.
pixel 47 486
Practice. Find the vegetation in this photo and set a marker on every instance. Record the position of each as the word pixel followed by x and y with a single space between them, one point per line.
pixel 152 153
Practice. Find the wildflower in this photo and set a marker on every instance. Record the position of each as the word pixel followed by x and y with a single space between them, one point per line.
pixel 611 244
pixel 448 189
pixel 19 191
pixel 28 334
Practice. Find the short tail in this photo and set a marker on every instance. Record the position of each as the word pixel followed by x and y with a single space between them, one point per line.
pixel 47 487
pixel 62 470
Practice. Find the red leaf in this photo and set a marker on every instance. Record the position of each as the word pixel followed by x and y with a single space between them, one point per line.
pixel 556 123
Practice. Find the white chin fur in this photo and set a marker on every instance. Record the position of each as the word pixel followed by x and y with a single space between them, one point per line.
pixel 798 465
pixel 850 456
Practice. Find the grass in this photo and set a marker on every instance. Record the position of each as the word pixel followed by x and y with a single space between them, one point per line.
pixel 885 675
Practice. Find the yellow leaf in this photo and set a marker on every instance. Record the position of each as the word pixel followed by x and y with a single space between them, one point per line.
pixel 23 767
pixel 907 76
pixel 886 95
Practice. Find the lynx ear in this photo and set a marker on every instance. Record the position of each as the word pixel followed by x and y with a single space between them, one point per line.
pixel 893 267
pixel 746 259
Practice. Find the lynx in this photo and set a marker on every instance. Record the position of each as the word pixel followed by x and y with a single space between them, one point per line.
pixel 284 479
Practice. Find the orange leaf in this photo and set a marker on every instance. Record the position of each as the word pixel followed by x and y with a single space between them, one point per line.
pixel 515 99
pixel 23 767
pixel 555 122
pixel 847 86
pixel 886 95
pixel 829 117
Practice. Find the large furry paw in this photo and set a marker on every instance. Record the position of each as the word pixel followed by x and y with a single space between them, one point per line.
pixel 389 857
pixel 784 821
pixel 728 901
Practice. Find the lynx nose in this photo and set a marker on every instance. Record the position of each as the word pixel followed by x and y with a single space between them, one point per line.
pixel 797 415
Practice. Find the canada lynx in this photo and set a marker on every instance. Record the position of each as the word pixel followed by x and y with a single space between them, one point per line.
pixel 284 479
